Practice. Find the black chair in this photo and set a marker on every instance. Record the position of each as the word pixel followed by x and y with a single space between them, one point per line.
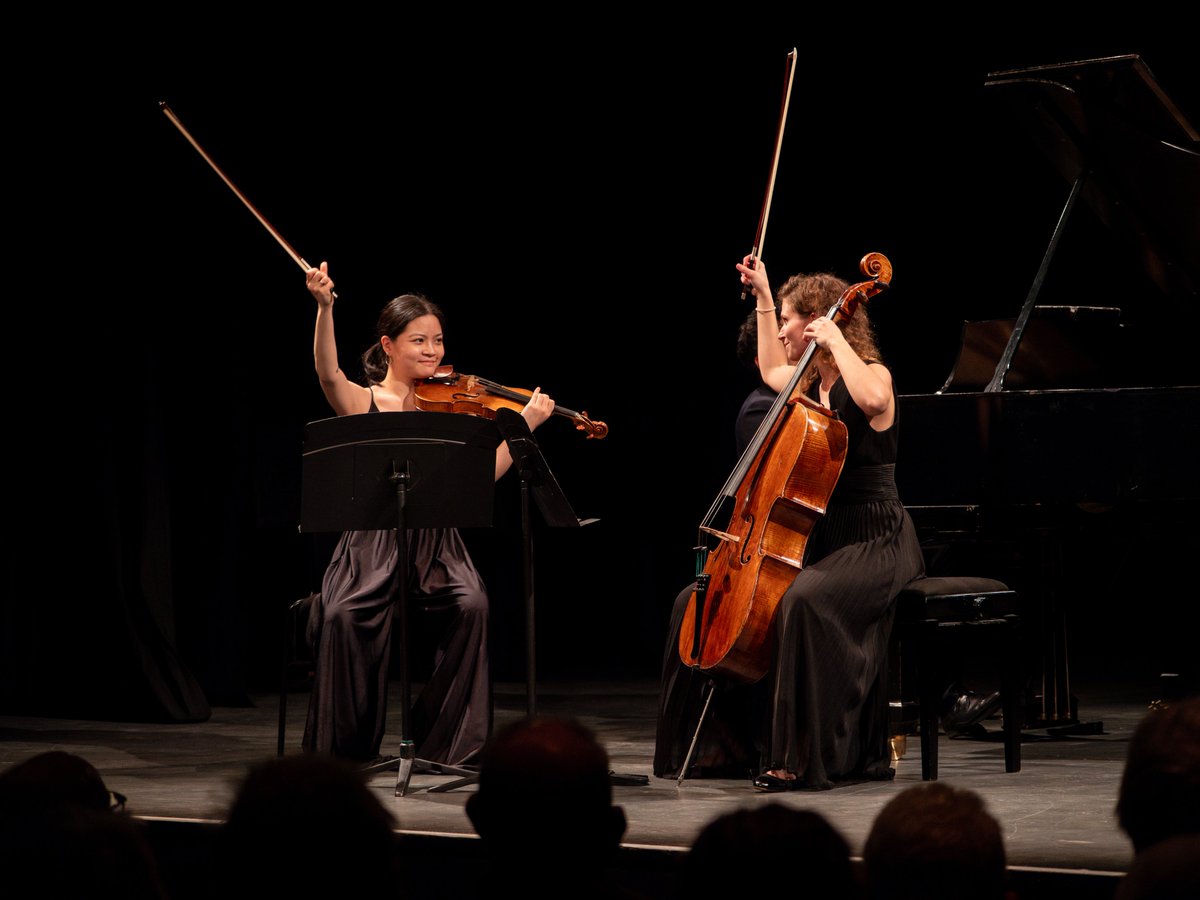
pixel 296 656
pixel 977 615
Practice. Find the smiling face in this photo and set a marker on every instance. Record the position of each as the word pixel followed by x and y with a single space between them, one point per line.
pixel 417 351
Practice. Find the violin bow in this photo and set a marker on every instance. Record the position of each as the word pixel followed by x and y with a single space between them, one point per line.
pixel 760 234
pixel 296 257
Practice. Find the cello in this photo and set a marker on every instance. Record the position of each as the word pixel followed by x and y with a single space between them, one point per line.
pixel 778 491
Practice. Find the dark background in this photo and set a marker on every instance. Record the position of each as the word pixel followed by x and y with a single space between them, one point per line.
pixel 575 205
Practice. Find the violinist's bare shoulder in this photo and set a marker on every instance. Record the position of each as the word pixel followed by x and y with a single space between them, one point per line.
pixel 389 398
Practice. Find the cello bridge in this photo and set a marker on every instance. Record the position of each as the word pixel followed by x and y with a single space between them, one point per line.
pixel 721 535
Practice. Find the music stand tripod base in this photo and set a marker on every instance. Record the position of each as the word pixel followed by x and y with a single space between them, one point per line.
pixel 408 760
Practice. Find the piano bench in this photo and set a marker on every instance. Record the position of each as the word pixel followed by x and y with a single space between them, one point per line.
pixel 978 614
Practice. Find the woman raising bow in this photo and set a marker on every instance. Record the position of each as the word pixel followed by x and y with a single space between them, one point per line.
pixel 351 624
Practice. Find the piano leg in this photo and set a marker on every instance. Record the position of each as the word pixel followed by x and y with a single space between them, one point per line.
pixel 1059 709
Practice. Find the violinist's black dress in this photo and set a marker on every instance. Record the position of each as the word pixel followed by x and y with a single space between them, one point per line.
pixel 351 632
pixel 821 711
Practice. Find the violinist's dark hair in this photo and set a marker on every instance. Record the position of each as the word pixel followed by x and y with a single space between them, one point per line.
pixel 813 295
pixel 747 341
pixel 394 318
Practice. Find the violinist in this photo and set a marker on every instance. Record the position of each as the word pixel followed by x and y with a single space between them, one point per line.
pixel 820 715
pixel 351 622
pixel 758 402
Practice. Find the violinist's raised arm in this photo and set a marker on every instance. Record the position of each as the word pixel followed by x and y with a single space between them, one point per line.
pixel 346 397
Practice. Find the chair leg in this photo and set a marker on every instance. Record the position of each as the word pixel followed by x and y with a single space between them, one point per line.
pixel 928 703
pixel 283 677
pixel 293 612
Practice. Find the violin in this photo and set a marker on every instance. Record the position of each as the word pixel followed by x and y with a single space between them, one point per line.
pixel 454 392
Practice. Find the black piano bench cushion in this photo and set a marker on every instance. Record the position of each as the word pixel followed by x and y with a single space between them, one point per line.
pixel 958 599
pixel 961 584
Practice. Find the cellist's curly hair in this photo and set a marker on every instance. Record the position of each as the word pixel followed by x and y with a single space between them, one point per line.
pixel 813 295
pixel 394 318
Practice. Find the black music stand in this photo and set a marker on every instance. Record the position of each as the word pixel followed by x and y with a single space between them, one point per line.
pixel 372 472
pixel 538 481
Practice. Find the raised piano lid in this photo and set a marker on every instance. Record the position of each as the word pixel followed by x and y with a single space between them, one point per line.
pixel 1132 157
pixel 1062 347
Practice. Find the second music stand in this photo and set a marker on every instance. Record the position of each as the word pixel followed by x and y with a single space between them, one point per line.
pixel 537 482
pixel 537 479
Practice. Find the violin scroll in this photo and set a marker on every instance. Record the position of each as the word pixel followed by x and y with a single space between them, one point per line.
pixel 591 428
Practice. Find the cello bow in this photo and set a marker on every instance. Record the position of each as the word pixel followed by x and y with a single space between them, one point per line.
pixel 760 233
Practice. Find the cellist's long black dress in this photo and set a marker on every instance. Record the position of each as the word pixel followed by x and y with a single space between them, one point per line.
pixel 821 711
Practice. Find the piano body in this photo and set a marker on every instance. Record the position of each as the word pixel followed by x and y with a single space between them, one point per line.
pixel 1061 453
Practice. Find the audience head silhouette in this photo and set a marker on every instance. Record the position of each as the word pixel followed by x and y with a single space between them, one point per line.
pixel 53 778
pixel 1160 787
pixel 59 836
pixel 308 826
pixel 817 857
pixel 1167 870
pixel 545 789
pixel 934 841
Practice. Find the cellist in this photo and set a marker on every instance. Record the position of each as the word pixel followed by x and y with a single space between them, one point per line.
pixel 820 715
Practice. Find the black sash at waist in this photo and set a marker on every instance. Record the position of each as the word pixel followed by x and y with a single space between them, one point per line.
pixel 866 484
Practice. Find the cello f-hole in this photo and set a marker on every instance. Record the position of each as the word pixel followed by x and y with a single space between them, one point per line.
pixel 747 552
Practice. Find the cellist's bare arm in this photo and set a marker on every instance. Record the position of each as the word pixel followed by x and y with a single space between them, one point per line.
pixel 344 396
pixel 869 384
pixel 772 359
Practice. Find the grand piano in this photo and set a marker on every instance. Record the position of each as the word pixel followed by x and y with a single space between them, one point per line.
pixel 1061 452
